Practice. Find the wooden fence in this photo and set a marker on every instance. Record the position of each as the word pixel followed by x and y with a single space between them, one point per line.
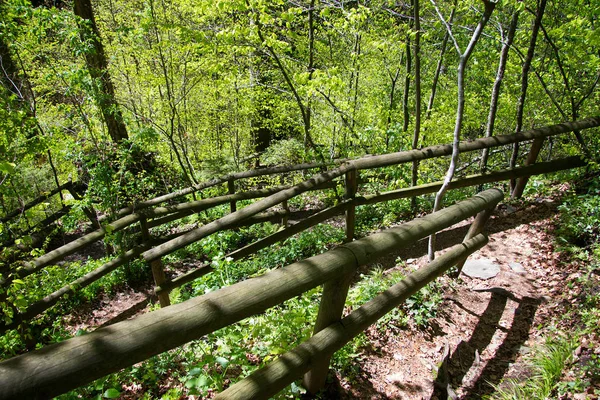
pixel 58 368
pixel 151 214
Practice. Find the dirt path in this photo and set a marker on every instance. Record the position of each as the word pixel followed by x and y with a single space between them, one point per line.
pixel 482 327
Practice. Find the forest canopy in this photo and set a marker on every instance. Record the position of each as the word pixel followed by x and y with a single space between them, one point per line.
pixel 134 97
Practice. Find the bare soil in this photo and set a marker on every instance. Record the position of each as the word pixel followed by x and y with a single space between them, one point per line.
pixel 483 327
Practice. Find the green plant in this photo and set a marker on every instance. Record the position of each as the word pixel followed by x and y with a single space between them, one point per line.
pixel 547 364
pixel 580 216
pixel 283 152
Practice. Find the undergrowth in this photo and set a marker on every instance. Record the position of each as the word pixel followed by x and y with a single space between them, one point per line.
pixel 223 357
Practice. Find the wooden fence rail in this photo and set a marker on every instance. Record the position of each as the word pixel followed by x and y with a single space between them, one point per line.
pixel 170 213
pixel 363 163
pixel 58 368
pixel 150 217
pixel 167 285
pixel 65 186
pixel 289 367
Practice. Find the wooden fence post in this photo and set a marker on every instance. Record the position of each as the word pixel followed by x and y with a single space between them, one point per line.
pixel 475 229
pixel 285 205
pixel 330 311
pixel 231 190
pixel 351 180
pixel 158 272
pixel 536 146
pixel 284 219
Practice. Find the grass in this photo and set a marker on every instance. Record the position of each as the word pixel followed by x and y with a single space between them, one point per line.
pixel 546 366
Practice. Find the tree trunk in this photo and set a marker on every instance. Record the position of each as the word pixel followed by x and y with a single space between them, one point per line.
pixel 574 105
pixel 440 63
pixel 417 131
pixel 98 69
pixel 288 80
pixel 497 84
pixel 464 57
pixel 524 81
pixel 406 86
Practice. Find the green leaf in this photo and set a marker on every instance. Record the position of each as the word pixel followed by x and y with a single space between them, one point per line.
pixel 111 393
pixel 222 361
pixel 7 167
pixel 191 383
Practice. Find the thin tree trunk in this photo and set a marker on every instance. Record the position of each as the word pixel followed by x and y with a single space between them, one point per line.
pixel 288 81
pixel 394 80
pixel 464 57
pixel 417 131
pixel 524 82
pixel 574 104
pixel 356 79
pixel 405 97
pixel 311 70
pixel 98 69
pixel 440 63
pixel 489 131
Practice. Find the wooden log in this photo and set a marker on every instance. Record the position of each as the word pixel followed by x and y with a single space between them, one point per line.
pixel 231 190
pixel 385 159
pixel 236 217
pixel 178 211
pixel 473 180
pixel 258 245
pixel 218 181
pixel 351 186
pixel 158 273
pixel 72 247
pixel 286 208
pixel 472 145
pixel 263 243
pixel 58 368
pixel 330 311
pixel 47 222
pixel 42 305
pixel 156 266
pixel 520 184
pixel 35 202
pixel 284 204
pixel 475 229
pixel 271 216
pixel 271 379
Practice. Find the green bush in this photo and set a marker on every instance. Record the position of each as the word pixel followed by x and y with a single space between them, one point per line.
pixel 283 152
pixel 580 216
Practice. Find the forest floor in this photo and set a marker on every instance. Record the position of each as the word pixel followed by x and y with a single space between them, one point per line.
pixel 482 329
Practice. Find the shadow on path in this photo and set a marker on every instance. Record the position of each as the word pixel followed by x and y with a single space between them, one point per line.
pixel 466 355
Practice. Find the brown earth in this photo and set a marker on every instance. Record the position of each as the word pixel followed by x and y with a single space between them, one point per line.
pixel 483 327
pixel 480 333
